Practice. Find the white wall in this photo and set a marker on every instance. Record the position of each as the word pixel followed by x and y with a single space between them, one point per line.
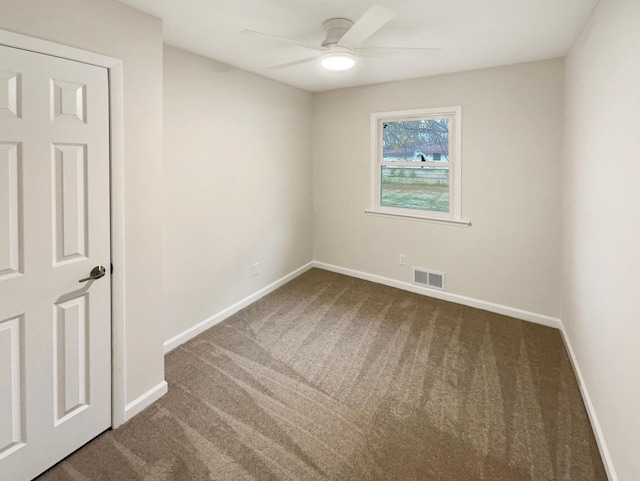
pixel 511 155
pixel 601 241
pixel 237 154
pixel 112 29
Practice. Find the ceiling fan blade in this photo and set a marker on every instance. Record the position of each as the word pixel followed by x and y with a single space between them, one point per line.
pixel 384 51
pixel 253 33
pixel 372 20
pixel 291 64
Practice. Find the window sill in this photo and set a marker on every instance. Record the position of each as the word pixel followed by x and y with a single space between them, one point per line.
pixel 421 218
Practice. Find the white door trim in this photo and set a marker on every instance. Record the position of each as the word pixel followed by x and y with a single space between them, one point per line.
pixel 116 146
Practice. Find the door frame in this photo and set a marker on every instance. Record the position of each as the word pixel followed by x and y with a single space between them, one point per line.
pixel 116 202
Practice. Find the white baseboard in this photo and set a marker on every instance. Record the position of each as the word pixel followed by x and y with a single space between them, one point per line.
pixel 595 424
pixel 446 296
pixel 229 311
pixel 146 400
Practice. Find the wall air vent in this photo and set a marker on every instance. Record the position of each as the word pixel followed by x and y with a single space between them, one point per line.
pixel 428 278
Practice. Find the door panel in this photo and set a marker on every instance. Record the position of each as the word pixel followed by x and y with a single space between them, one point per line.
pixel 11 421
pixel 10 210
pixel 55 333
pixel 68 101
pixel 9 94
pixel 70 358
pixel 69 202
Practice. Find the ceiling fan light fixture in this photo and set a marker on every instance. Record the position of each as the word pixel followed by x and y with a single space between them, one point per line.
pixel 338 60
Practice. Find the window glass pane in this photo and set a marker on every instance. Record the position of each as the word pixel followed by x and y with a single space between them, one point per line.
pixel 424 188
pixel 416 141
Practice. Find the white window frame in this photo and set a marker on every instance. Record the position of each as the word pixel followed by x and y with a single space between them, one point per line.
pixel 454 114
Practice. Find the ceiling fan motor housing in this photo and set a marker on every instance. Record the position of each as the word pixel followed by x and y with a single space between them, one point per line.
pixel 335 28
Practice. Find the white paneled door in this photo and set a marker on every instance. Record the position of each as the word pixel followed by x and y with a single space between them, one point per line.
pixel 55 332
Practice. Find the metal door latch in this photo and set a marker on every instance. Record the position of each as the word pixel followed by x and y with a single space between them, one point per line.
pixel 96 273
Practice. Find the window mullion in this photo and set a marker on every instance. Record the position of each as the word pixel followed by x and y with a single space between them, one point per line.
pixel 416 164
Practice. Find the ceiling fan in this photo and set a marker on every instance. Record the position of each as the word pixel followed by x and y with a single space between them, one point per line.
pixel 341 46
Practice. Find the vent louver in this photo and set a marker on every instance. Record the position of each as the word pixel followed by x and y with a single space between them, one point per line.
pixel 428 278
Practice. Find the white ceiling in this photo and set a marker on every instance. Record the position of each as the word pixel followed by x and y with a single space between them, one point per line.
pixel 471 34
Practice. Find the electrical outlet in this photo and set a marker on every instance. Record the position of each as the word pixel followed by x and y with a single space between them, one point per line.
pixel 256 268
pixel 402 259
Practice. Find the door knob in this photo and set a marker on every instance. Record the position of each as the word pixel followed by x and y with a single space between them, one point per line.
pixel 96 273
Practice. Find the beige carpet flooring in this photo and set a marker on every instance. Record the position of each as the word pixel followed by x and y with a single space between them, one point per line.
pixel 335 378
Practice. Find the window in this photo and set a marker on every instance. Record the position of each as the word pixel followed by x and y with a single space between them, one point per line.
pixel 416 164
